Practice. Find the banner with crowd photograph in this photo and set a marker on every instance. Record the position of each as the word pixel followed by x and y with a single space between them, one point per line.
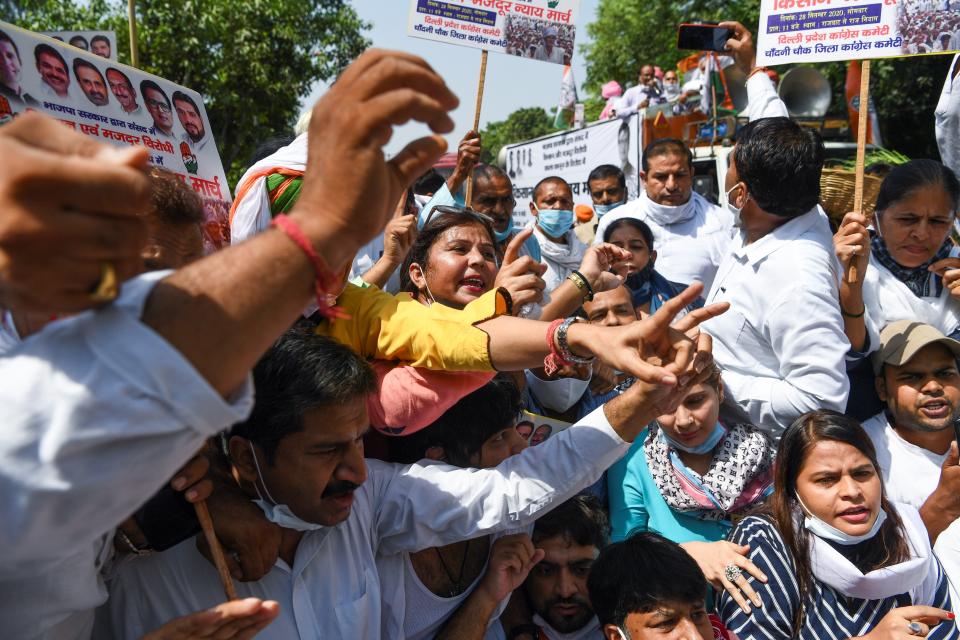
pixel 535 428
pixel 101 43
pixel 119 105
pixel 542 30
pixel 830 30
pixel 572 155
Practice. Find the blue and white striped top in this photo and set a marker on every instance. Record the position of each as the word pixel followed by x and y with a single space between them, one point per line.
pixel 829 614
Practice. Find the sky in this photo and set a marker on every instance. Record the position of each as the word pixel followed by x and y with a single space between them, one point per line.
pixel 512 83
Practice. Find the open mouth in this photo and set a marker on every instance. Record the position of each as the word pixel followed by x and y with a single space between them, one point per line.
pixel 473 284
pixel 855 515
pixel 935 409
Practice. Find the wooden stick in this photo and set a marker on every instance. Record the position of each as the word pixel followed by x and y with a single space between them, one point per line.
pixel 206 523
pixel 132 21
pixel 476 115
pixel 863 118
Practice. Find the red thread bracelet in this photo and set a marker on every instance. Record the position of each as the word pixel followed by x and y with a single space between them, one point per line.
pixel 554 359
pixel 326 281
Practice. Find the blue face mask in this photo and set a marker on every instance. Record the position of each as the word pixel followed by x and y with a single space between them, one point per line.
pixel 501 236
pixel 554 222
pixel 706 446
pixel 603 209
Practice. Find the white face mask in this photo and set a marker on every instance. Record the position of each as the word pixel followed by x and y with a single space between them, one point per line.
pixel 821 529
pixel 279 514
pixel 560 394
pixel 737 219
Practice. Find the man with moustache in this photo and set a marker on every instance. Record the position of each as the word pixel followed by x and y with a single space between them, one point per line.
pixel 53 72
pixel 100 45
pixel 123 91
pixel 190 119
pixel 91 82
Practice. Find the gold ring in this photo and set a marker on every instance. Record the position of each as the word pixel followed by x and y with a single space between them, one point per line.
pixel 106 289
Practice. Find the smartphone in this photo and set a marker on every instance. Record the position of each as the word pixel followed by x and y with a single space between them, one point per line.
pixel 703 37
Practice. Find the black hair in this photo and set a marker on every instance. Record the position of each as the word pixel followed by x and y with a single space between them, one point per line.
pixel 640 573
pixel 100 38
pixel 45 48
pixel 439 223
pixel 301 372
pixel 608 171
pixel 665 147
pixel 5 38
pixel 80 62
pixel 490 172
pixel 150 84
pixel 268 147
pixel 554 179
pixel 464 427
pixel 888 547
pixel 125 76
pixel 79 38
pixel 639 225
pixel 430 182
pixel 581 520
pixel 907 178
pixel 182 97
pixel 780 162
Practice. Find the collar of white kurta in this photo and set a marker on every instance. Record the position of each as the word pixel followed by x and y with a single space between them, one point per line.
pixel 568 256
pixel 757 251
pixel 589 630
pixel 830 567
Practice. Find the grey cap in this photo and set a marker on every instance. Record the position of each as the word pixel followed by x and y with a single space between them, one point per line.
pixel 901 340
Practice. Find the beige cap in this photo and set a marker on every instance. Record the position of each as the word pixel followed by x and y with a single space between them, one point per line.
pixel 901 340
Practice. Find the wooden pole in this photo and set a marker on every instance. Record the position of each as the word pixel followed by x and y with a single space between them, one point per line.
pixel 206 523
pixel 863 118
pixel 132 21
pixel 476 116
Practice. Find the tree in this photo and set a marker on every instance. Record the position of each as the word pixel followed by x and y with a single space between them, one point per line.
pixel 251 61
pixel 520 125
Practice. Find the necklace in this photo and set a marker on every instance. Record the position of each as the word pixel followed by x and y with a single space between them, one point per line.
pixel 457 588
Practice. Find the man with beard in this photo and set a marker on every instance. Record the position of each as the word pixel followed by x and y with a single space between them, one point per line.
pixel 190 119
pixel 91 82
pixel 918 380
pixel 571 538
pixel 100 45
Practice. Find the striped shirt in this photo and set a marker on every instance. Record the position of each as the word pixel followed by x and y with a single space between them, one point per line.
pixel 829 614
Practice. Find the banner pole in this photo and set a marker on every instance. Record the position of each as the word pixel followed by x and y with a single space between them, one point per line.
pixel 132 21
pixel 476 115
pixel 206 523
pixel 863 114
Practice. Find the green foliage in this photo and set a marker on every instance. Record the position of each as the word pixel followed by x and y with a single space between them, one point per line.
pixel 520 125
pixel 628 34
pixel 252 61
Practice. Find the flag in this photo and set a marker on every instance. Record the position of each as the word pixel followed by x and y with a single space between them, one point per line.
pixel 568 100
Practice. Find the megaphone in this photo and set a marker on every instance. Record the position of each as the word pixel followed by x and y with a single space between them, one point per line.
pixel 806 92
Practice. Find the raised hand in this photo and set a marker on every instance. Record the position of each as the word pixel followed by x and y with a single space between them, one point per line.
pixel 521 276
pixel 851 243
pixel 511 559
pixel 350 187
pixel 68 206
pixel 949 270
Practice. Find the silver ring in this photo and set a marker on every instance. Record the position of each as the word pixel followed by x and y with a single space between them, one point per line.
pixel 915 629
pixel 732 572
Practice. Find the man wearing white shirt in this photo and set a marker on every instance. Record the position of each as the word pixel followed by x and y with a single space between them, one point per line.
pixel 947 117
pixel 100 409
pixel 690 233
pixel 300 457
pixel 560 248
pixel 549 51
pixel 781 347
pixel 645 94
pixel 918 380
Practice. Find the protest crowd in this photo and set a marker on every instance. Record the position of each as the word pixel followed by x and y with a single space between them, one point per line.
pixel 408 418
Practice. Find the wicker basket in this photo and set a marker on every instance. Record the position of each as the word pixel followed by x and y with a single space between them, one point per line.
pixel 836 193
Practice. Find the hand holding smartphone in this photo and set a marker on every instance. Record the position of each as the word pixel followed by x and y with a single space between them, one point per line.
pixel 703 37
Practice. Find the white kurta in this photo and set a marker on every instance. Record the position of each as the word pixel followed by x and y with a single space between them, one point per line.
pixel 781 344
pixel 98 412
pixel 561 259
pixel 336 584
pixel 947 117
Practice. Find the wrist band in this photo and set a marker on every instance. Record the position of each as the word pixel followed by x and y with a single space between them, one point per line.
pixel 554 359
pixel 582 283
pixel 845 314
pixel 564 347
pixel 326 281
